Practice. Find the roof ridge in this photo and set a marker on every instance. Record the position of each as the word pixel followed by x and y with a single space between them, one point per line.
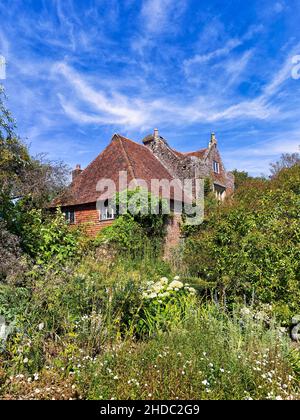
pixel 95 159
pixel 126 155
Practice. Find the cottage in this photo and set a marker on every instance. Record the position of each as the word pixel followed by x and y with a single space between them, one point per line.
pixel 153 159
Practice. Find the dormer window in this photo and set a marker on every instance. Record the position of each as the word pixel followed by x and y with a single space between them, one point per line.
pixel 106 211
pixel 216 167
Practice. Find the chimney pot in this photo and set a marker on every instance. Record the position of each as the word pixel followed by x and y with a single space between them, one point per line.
pixel 213 140
pixel 77 171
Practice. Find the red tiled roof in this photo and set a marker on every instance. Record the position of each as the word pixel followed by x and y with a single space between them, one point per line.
pixel 121 154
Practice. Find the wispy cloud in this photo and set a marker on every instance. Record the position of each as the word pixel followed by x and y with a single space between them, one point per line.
pixel 157 16
pixel 143 110
pixel 79 70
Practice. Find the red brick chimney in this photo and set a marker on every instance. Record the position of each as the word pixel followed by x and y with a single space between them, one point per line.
pixel 77 171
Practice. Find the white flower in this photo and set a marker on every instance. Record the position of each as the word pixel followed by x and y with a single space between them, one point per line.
pixel 175 284
pixel 41 326
pixel 176 278
pixel 25 360
pixel 36 376
pixel 205 382
pixel 116 377
pixel 245 311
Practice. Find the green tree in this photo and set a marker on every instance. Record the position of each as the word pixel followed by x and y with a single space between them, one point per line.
pixel 251 246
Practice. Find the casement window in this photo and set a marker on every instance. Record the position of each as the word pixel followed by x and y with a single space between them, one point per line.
pixel 220 192
pixel 106 211
pixel 70 216
pixel 216 167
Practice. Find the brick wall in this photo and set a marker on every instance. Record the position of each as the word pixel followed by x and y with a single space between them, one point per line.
pixel 87 215
pixel 173 235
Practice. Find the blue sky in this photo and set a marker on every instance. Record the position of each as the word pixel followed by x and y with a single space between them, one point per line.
pixel 79 71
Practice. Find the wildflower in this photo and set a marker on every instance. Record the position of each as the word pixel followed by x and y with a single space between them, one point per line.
pixel 25 360
pixel 222 370
pixel 36 376
pixel 41 326
pixel 211 365
pixel 205 382
pixel 175 284
pixel 116 377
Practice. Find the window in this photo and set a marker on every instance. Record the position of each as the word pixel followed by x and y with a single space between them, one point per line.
pixel 106 211
pixel 220 192
pixel 216 167
pixel 70 216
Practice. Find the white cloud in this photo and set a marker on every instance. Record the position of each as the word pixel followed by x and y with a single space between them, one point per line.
pixel 190 65
pixel 100 105
pixel 157 15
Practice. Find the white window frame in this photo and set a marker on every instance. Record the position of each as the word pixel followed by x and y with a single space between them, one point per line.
pixel 216 167
pixel 220 193
pixel 104 213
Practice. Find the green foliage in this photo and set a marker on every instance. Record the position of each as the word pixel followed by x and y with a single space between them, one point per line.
pixel 251 247
pixel 149 211
pixel 240 177
pixel 49 239
pixel 165 305
pixel 125 234
pixel 212 356
pixel 136 231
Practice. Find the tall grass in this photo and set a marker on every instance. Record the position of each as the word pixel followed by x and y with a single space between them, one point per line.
pixel 75 329
pixel 213 356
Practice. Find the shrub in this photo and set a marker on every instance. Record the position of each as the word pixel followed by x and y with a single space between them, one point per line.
pixel 12 261
pixel 126 235
pixel 138 231
pixel 49 240
pixel 251 247
pixel 165 305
